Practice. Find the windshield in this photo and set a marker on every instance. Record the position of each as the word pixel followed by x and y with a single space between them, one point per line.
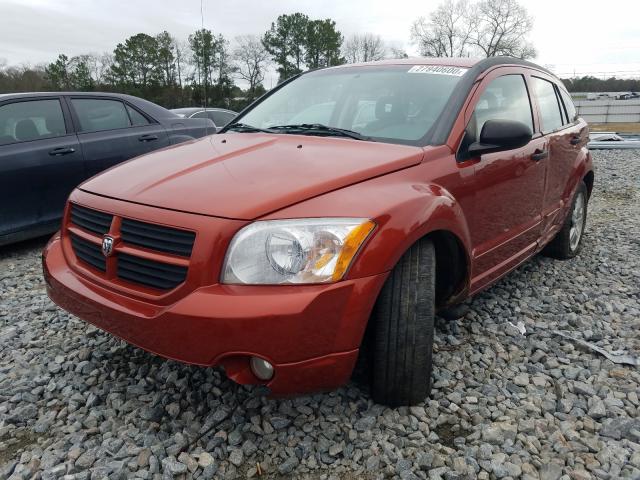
pixel 397 103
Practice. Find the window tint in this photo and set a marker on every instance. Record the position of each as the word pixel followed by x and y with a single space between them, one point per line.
pixel 550 113
pixel 200 115
pixel 568 105
pixel 96 115
pixel 31 120
pixel 505 98
pixel 136 117
pixel 221 118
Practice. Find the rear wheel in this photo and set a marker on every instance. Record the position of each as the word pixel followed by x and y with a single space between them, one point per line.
pixel 403 321
pixel 568 241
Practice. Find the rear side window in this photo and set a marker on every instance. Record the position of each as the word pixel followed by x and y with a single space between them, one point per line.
pixel 550 112
pixel 137 119
pixel 505 98
pixel 31 120
pixel 568 105
pixel 202 114
pixel 221 118
pixel 98 114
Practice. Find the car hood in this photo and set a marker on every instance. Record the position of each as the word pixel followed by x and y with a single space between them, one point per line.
pixel 247 175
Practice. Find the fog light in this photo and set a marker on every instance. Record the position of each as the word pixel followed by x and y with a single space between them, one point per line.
pixel 261 368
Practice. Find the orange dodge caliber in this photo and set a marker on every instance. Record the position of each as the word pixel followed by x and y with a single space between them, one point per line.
pixel 336 214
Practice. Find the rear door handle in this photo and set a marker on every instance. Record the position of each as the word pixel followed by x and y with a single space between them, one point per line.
pixel 61 151
pixel 575 140
pixel 147 138
pixel 539 155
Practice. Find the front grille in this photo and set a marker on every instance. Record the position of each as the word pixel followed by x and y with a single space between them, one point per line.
pixel 150 273
pixel 131 267
pixel 91 220
pixel 156 237
pixel 89 253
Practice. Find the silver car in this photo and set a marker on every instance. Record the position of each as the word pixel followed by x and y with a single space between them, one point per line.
pixel 219 116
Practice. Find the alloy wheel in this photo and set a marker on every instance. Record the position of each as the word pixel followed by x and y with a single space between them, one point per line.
pixel 577 221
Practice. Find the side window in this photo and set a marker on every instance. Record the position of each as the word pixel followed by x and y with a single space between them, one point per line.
pixel 31 120
pixel 505 98
pixel 137 119
pixel 221 118
pixel 98 114
pixel 202 114
pixel 568 105
pixel 551 115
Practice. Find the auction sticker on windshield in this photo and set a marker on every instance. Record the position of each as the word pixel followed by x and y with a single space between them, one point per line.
pixel 438 70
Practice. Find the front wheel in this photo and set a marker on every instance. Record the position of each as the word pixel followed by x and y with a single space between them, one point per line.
pixel 568 241
pixel 403 322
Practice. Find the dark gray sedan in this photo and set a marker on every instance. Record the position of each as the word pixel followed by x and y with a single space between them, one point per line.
pixel 51 142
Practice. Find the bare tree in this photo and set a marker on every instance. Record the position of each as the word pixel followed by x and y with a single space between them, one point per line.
pixel 251 59
pixel 502 28
pixel 92 61
pixel 458 28
pixel 397 52
pixel 180 48
pixel 365 47
pixel 447 31
pixel 103 68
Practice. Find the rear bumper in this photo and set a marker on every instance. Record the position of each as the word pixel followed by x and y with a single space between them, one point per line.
pixel 311 334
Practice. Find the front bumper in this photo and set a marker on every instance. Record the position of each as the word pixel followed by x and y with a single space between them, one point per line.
pixel 311 334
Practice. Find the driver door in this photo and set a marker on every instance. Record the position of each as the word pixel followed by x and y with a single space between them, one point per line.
pixel 508 185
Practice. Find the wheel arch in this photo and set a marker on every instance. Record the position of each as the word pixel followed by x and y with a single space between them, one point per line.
pixel 589 179
pixel 452 267
pixel 431 214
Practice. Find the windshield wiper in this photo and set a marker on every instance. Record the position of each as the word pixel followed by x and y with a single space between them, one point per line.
pixel 322 129
pixel 243 127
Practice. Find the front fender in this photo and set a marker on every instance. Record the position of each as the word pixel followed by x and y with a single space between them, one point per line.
pixel 403 209
pixel 424 209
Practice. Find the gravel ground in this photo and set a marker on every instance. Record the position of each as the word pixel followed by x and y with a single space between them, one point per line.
pixel 76 402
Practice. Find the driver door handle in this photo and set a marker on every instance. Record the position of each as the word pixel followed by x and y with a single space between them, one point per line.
pixel 147 138
pixel 539 155
pixel 61 151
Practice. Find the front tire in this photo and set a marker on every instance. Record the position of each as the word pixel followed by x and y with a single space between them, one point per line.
pixel 403 323
pixel 568 241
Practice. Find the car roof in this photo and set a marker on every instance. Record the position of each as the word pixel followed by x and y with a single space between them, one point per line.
pixel 465 62
pixel 479 65
pixel 150 108
pixel 68 93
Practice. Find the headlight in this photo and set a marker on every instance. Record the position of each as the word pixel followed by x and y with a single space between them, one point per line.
pixel 315 250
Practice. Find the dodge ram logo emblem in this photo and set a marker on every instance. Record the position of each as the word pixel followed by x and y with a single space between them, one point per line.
pixel 107 246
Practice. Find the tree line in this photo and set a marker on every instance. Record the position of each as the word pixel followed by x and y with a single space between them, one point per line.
pixel 592 84
pixel 204 69
pixel 207 68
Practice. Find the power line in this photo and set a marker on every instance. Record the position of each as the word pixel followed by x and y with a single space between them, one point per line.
pixel 206 73
pixel 600 72
pixel 607 75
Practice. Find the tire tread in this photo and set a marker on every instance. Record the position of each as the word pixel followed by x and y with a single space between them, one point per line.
pixel 403 338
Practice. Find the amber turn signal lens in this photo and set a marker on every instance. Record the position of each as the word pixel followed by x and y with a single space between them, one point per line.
pixel 352 244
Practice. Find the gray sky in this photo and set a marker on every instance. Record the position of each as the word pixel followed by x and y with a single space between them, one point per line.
pixel 584 36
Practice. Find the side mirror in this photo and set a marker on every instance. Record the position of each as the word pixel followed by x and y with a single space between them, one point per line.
pixel 499 135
